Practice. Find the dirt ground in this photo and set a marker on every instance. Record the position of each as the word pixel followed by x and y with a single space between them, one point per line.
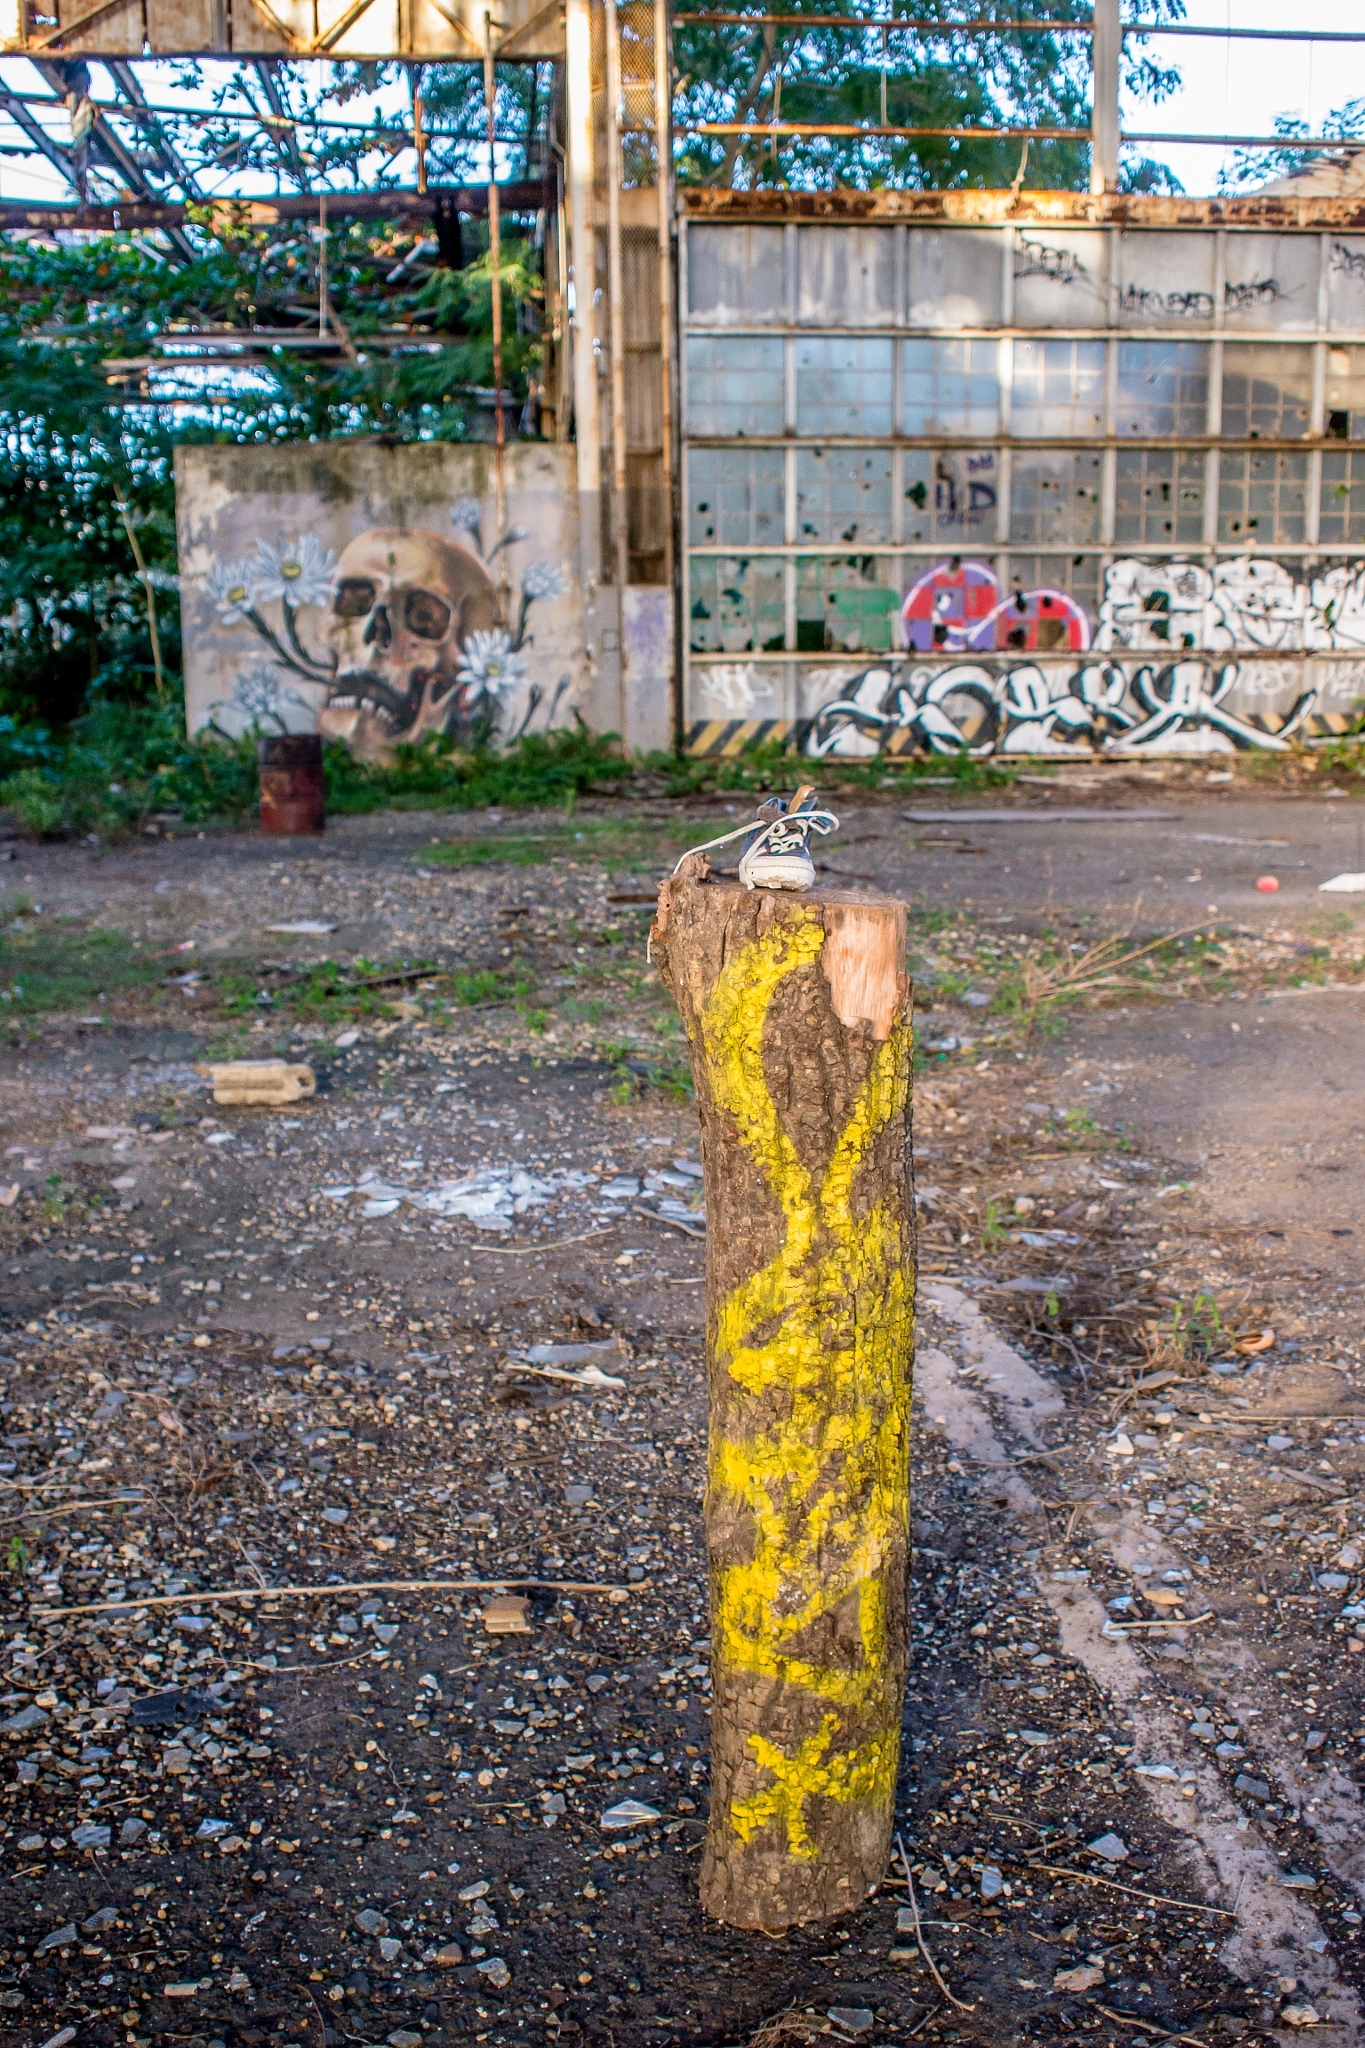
pixel 287 1351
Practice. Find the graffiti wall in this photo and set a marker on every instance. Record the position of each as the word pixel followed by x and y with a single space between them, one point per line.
pixel 370 593
pixel 1036 487
pixel 1180 658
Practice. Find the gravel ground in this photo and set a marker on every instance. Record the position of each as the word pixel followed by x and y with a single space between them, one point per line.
pixel 273 1352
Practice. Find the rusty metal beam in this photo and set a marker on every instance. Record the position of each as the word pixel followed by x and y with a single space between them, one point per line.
pixel 521 195
pixel 1277 210
pixel 983 26
pixel 776 130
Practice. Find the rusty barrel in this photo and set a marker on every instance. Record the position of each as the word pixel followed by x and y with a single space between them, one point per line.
pixel 290 767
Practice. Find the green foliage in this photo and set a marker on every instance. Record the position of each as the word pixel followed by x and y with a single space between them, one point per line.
pixel 76 445
pixel 539 768
pixel 1253 167
pixel 121 765
pixel 807 71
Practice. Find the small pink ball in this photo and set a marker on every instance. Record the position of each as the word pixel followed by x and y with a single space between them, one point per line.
pixel 1267 884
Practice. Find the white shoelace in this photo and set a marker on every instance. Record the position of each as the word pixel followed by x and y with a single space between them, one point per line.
pixel 823 822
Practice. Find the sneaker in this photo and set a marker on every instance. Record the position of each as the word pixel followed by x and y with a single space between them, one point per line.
pixel 777 854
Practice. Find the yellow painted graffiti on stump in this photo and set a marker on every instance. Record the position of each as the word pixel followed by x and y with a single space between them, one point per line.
pixel 826 1328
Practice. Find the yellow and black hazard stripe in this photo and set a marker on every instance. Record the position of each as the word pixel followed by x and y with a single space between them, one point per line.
pixel 712 737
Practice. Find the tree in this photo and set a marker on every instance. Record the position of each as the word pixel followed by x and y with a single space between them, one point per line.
pixel 812 72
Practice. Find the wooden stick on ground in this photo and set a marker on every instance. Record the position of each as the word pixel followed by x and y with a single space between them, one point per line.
pixel 797 1011
pixel 327 1592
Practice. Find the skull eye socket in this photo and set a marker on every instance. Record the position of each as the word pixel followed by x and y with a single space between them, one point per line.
pixel 425 615
pixel 355 597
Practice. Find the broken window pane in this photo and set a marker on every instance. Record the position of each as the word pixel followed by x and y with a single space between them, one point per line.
pixel 1055 497
pixel 1262 498
pixel 1159 498
pixel 734 497
pixel 1344 395
pixel 951 495
pixel 1342 514
pixel 848 605
pixel 843 494
pixel 735 604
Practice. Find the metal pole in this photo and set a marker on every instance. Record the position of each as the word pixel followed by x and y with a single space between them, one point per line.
pixel 419 139
pixel 490 86
pixel 663 132
pixel 1107 48
pixel 583 270
pixel 616 291
pixel 322 263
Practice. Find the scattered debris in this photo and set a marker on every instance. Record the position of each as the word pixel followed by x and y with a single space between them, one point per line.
pixel 259 1084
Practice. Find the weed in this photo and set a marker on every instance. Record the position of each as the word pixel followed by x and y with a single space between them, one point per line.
pixel 633 1072
pixel 993 1231
pixel 327 993
pixel 485 985
pixel 16 1557
pixel 54 1198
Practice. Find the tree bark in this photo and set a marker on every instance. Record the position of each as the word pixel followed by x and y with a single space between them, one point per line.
pixel 797 1010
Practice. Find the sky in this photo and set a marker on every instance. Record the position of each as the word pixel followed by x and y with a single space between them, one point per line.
pixel 1227 86
pixel 1239 87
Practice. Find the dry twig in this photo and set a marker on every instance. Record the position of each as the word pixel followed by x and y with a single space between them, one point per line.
pixel 1128 2019
pixel 1151 1898
pixel 956 2003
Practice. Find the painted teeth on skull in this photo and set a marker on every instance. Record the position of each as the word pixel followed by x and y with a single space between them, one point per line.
pixel 404 604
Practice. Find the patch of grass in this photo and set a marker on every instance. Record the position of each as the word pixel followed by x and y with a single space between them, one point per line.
pixel 49 965
pixel 1077 1128
pixel 616 842
pixel 119 766
pixel 1046 975
pixel 331 994
pixel 764 766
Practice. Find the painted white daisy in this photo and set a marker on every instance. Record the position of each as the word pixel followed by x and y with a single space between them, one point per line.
pixel 257 691
pixel 543 580
pixel 230 587
pixel 466 516
pixel 489 662
pixel 297 575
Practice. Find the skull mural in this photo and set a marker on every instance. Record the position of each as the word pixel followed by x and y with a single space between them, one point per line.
pixel 415 625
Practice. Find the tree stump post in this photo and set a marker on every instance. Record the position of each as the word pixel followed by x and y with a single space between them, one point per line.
pixel 797 1010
